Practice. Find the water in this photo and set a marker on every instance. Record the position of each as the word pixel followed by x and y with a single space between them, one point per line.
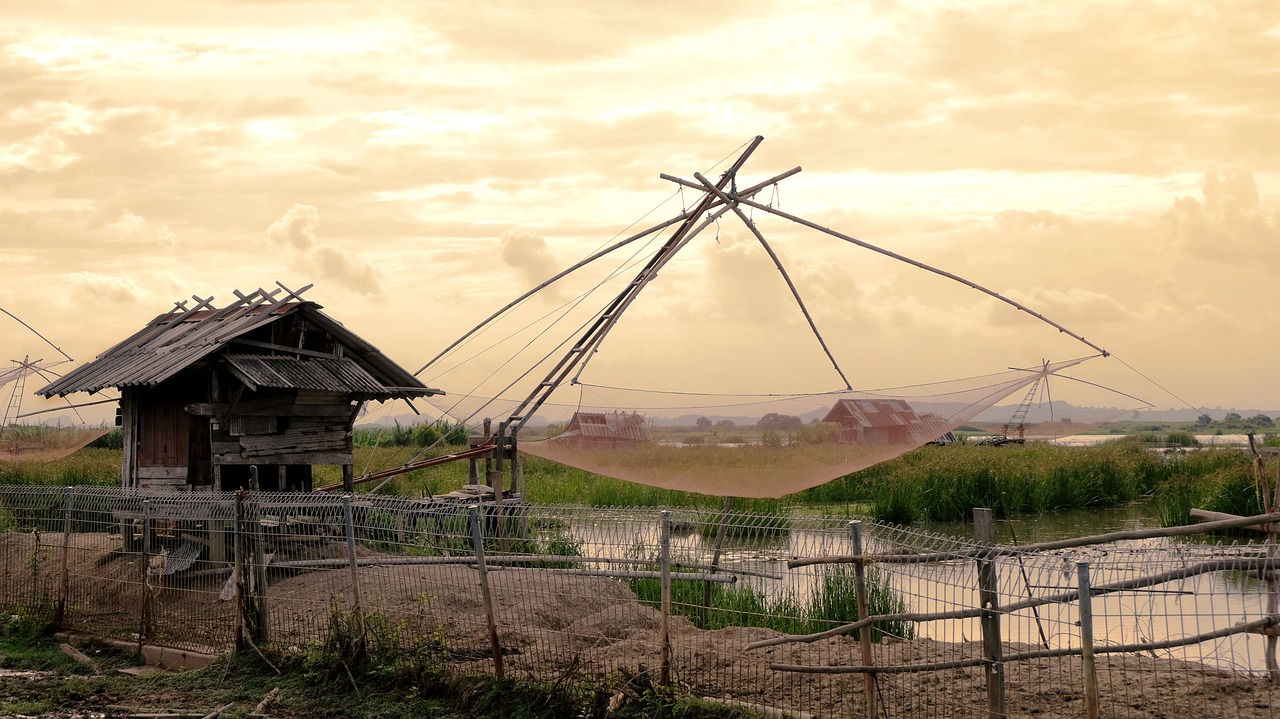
pixel 1189 606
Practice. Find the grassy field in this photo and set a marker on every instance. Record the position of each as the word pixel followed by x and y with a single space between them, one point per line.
pixel 936 483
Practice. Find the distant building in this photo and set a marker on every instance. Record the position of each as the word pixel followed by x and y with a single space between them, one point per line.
pixel 208 393
pixel 884 421
pixel 599 430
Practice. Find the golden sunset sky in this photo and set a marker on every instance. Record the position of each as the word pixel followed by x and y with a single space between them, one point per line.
pixel 1114 165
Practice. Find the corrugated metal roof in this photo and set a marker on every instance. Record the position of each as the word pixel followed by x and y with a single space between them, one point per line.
pixel 885 413
pixel 170 343
pixel 598 425
pixel 282 372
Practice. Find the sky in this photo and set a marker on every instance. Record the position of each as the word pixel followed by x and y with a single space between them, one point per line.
pixel 1113 165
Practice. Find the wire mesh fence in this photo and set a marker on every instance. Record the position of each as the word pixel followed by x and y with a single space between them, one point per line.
pixel 728 605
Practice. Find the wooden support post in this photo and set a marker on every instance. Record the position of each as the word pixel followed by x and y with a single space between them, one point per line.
pixel 864 610
pixel 259 628
pixel 517 473
pixel 1086 641
pixel 477 538
pixel 715 558
pixel 664 542
pixel 357 612
pixel 989 601
pixel 488 461
pixel 348 478
pixel 64 564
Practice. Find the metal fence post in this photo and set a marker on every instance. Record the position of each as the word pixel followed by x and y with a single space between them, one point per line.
pixel 68 503
pixel 864 634
pixel 477 538
pixel 348 523
pixel 989 600
pixel 1086 641
pixel 664 540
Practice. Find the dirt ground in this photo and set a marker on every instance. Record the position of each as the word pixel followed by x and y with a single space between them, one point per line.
pixel 556 626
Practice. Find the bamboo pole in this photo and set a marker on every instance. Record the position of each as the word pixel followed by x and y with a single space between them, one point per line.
pixel 664 533
pixel 477 539
pixel 864 633
pixel 921 265
pixel 517 559
pixel 1086 642
pixel 1259 625
pixel 989 601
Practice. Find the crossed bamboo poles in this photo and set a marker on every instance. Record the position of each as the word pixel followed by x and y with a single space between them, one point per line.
pixel 717 199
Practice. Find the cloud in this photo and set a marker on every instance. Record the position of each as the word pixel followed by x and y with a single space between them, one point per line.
pixel 1228 225
pixel 134 229
pixel 528 253
pixel 570 30
pixel 95 289
pixel 297 231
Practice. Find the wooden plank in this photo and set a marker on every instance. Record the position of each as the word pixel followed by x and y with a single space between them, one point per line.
pixel 335 458
pixel 337 411
pixel 171 472
pixel 311 396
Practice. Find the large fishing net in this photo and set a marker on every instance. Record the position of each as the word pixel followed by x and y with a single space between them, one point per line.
pixel 760 357
pixel 37 430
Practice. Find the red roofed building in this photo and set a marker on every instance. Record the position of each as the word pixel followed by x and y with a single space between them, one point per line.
pixel 606 431
pixel 884 421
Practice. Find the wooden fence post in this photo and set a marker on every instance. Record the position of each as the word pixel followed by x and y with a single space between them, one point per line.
pixel 238 569
pixel 989 600
pixel 864 634
pixel 1086 641
pixel 477 538
pixel 348 523
pixel 261 628
pixel 144 570
pixel 715 558
pixel 664 542
pixel 68 503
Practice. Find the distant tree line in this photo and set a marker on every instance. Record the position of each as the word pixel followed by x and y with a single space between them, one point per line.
pixel 1234 422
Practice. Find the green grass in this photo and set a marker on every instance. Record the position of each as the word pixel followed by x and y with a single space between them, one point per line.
pixel 834 602
pixel 928 484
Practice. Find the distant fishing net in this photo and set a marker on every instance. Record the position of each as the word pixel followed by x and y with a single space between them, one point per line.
pixel 744 445
pixel 727 375
pixel 61 431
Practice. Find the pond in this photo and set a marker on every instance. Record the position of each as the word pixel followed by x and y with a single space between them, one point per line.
pixel 1194 605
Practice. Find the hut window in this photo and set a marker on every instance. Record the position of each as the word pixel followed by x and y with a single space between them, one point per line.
pixel 251 424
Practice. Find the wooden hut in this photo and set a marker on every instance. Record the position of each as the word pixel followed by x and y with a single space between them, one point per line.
pixel 598 430
pixel 884 421
pixel 268 381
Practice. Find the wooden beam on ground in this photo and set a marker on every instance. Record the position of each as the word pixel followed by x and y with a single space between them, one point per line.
pixel 1205 515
